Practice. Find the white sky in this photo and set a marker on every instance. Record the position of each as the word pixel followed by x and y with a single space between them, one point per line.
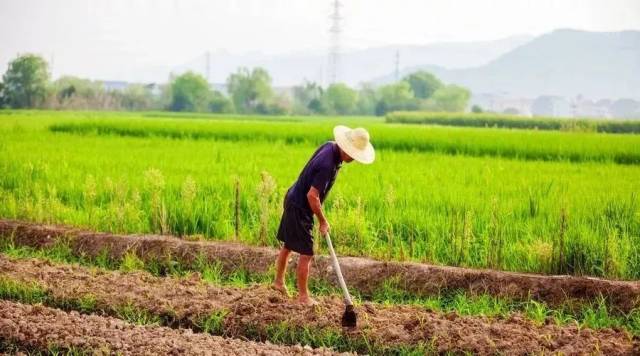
pixel 110 38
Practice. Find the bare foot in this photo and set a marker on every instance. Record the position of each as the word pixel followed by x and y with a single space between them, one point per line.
pixel 281 288
pixel 306 300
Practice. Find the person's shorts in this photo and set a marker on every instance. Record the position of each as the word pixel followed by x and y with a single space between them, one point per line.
pixel 296 227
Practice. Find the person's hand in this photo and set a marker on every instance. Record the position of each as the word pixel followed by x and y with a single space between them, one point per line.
pixel 324 227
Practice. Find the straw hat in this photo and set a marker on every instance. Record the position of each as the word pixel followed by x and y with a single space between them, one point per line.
pixel 355 142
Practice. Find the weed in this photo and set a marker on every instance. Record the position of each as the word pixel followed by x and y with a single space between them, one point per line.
pixel 213 323
pixel 135 315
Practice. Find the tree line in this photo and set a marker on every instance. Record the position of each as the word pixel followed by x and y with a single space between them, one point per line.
pixel 27 84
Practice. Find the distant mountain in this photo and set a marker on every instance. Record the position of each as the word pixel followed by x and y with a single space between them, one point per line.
pixel 564 63
pixel 356 66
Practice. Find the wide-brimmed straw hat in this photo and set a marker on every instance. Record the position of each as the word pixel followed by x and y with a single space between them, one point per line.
pixel 355 143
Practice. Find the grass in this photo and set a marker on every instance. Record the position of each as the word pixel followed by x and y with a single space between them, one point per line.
pixel 33 293
pixel 135 315
pixel 214 322
pixel 515 122
pixel 595 315
pixel 538 211
pixel 29 293
pixel 334 338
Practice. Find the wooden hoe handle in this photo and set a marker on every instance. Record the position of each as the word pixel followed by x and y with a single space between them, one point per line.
pixel 336 267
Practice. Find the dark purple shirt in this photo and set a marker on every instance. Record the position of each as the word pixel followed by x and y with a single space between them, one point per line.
pixel 320 173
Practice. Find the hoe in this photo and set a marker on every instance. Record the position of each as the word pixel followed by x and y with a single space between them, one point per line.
pixel 349 317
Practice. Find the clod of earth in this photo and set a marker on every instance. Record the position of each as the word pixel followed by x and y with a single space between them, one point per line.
pixel 39 328
pixel 250 312
pixel 365 275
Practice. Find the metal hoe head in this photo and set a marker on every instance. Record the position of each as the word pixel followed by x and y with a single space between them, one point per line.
pixel 349 318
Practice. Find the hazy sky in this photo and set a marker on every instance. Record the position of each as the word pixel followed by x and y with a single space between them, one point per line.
pixel 109 39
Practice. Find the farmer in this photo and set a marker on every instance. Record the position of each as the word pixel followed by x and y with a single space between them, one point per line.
pixel 305 197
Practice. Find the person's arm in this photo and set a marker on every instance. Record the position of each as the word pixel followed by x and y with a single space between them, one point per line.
pixel 313 196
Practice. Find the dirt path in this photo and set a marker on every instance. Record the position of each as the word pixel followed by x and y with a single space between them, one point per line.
pixel 252 311
pixel 366 275
pixel 38 328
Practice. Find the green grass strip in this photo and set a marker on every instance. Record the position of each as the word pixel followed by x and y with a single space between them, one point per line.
pixel 516 144
pixel 515 122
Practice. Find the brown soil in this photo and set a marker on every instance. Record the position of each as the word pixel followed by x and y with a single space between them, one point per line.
pixel 253 309
pixel 38 328
pixel 366 275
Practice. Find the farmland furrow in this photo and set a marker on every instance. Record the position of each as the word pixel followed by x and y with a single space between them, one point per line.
pixel 258 312
pixel 365 275
pixel 42 329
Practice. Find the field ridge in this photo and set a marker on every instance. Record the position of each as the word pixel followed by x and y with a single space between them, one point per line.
pixel 259 313
pixel 29 328
pixel 363 274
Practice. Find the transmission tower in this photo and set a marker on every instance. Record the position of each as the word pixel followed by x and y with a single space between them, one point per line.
pixel 334 47
pixel 397 65
pixel 207 58
pixel 52 62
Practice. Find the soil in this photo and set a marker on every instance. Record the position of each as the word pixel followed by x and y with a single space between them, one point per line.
pixel 37 328
pixel 252 310
pixel 365 275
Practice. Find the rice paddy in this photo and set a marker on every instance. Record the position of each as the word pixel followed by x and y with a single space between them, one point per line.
pixel 518 200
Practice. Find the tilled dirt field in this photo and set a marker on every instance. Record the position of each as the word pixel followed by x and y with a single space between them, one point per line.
pixel 38 328
pixel 251 311
pixel 366 275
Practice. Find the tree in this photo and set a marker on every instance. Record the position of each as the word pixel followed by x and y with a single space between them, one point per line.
pixel 136 97
pixel 165 97
pixel 423 84
pixel 278 105
pixel 25 82
pixel 69 92
pixel 341 99
pixel 1 95
pixel 451 98
pixel 220 103
pixel 190 92
pixel 250 90
pixel 367 99
pixel 476 109
pixel 394 97
pixel 307 98
pixel 67 87
pixel 316 106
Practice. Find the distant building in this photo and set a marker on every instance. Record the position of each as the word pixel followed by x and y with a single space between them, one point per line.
pixel 502 103
pixel 116 85
pixel 111 85
pixel 154 88
pixel 586 108
pixel 604 103
pixel 557 106
pixel 521 106
pixel 547 105
pixel 285 91
pixel 626 109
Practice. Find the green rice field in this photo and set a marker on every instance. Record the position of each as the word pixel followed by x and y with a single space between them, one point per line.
pixel 519 200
